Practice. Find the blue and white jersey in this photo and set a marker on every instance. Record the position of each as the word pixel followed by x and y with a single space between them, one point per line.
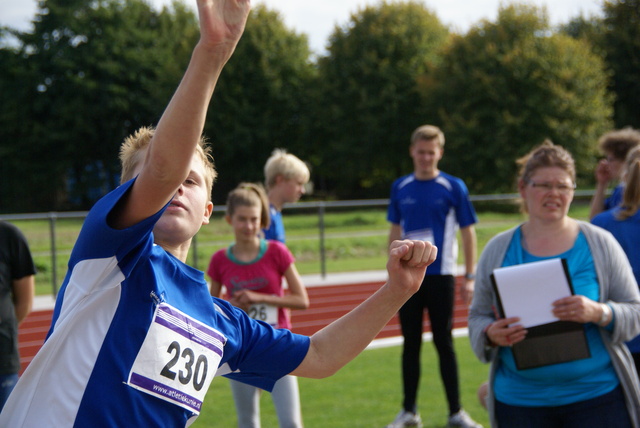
pixel 275 232
pixel 432 210
pixel 136 338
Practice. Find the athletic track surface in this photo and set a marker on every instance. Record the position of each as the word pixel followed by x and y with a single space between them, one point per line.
pixel 329 301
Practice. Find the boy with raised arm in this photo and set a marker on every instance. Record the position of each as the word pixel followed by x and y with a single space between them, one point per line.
pixel 136 339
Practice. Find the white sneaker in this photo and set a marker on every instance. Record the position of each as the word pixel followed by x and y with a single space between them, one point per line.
pixel 462 420
pixel 406 419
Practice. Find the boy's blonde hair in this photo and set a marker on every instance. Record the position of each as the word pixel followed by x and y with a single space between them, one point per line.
pixel 286 165
pixel 250 195
pixel 134 148
pixel 428 133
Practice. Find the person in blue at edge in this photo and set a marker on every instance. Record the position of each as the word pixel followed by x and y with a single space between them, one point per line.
pixel 595 392
pixel 136 338
pixel 615 145
pixel 430 205
pixel 285 177
pixel 624 223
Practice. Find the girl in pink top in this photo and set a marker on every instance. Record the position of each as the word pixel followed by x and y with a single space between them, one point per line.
pixel 251 269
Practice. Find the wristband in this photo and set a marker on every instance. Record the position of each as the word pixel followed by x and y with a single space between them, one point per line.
pixel 469 276
pixel 606 312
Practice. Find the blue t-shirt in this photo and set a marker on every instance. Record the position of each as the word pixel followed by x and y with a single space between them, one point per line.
pixel 615 198
pixel 564 383
pixel 432 210
pixel 627 233
pixel 136 337
pixel 275 232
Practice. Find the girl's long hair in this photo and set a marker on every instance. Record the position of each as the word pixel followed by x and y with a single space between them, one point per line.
pixel 631 196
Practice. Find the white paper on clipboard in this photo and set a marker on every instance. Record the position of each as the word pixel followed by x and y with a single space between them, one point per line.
pixel 528 290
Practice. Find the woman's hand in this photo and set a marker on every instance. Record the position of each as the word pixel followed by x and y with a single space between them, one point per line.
pixel 578 309
pixel 505 332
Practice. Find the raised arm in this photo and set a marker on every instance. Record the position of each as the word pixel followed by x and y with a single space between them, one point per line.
pixel 168 159
pixel 341 341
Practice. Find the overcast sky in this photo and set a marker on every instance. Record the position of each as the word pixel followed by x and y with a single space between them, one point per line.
pixel 318 18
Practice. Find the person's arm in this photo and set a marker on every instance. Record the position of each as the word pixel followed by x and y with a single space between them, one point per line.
pixel 215 288
pixel 168 159
pixel 469 249
pixel 23 292
pixel 342 340
pixel 297 297
pixel 603 177
pixel 395 233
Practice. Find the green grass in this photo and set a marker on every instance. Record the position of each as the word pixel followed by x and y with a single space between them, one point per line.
pixel 365 393
pixel 354 240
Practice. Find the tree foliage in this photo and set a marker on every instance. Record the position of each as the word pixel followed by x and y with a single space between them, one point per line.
pixel 95 71
pixel 261 101
pixel 622 46
pixel 370 101
pixel 506 86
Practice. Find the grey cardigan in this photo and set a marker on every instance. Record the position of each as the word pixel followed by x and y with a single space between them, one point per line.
pixel 618 288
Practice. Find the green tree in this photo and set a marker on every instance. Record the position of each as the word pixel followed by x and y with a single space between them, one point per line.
pixel 261 101
pixel 96 72
pixel 622 46
pixel 370 100
pixel 506 86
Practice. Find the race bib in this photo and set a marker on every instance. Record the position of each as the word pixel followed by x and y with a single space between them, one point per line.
pixel 178 358
pixel 421 235
pixel 264 312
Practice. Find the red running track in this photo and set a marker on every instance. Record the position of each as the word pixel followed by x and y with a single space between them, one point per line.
pixel 327 304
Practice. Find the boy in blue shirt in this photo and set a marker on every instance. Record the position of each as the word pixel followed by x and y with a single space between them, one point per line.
pixel 136 339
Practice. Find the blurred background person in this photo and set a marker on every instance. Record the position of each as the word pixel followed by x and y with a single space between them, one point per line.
pixel 285 177
pixel 624 223
pixel 431 205
pixel 615 145
pixel 17 288
pixel 252 269
pixel 599 391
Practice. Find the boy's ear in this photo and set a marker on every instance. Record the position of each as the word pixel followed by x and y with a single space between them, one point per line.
pixel 207 212
pixel 280 178
pixel 227 218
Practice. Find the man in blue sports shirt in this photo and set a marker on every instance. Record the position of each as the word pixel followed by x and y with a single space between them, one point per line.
pixel 430 205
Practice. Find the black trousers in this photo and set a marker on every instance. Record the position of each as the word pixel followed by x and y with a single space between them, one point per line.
pixel 436 295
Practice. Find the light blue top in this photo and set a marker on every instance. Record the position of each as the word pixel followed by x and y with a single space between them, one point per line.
pixel 275 231
pixel 564 383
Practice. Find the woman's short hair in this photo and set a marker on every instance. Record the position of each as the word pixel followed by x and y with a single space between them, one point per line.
pixel 546 155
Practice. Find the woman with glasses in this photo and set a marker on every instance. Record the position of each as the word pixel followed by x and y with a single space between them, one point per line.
pixel 598 391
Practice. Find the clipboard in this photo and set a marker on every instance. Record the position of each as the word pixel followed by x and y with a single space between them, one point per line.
pixel 550 342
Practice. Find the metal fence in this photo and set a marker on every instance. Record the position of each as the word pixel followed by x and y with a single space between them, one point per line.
pixel 320 207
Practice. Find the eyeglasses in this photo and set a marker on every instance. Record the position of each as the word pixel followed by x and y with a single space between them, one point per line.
pixel 564 188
